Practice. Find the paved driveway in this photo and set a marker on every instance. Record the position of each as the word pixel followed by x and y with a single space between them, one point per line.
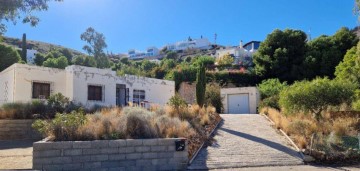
pixel 16 154
pixel 246 140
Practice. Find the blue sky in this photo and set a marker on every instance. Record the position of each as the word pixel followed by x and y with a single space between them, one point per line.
pixel 138 24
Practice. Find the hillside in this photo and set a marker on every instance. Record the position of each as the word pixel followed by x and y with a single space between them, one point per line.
pixel 41 47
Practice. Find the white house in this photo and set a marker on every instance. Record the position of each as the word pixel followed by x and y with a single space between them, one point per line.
pixel 85 85
pixel 150 52
pixel 240 100
pixel 30 55
pixel 241 52
pixel 202 43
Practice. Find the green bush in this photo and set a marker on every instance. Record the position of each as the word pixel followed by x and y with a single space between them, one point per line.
pixel 269 92
pixel 63 127
pixel 315 96
pixel 213 97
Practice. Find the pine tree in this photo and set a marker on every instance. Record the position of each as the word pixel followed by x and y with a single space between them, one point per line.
pixel 24 49
pixel 200 85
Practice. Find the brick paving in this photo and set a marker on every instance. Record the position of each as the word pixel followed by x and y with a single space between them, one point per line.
pixel 246 140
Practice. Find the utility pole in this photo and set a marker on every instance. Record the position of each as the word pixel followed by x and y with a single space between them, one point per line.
pixel 215 37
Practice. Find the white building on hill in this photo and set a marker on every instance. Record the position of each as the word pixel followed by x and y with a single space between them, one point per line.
pixel 150 52
pixel 202 43
pixel 241 52
pixel 85 85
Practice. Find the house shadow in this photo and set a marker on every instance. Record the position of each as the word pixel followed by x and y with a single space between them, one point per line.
pixel 13 144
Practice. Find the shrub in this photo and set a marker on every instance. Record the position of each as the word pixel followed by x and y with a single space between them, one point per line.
pixel 200 86
pixel 213 97
pixel 16 111
pixel 177 102
pixel 58 102
pixel 137 123
pixel 269 92
pixel 315 96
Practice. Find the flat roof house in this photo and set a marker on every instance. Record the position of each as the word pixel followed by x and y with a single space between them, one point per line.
pixel 85 85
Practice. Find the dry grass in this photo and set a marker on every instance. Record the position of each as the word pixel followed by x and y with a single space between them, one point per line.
pixel 301 127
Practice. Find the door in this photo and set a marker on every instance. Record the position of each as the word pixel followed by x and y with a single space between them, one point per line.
pixel 238 103
pixel 121 95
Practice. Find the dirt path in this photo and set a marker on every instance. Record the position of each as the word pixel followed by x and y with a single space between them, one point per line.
pixel 246 141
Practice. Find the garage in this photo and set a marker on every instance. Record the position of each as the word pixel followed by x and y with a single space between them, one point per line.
pixel 238 103
pixel 240 100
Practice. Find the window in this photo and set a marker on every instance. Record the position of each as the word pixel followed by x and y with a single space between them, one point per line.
pixel 95 93
pixel 40 90
pixel 138 96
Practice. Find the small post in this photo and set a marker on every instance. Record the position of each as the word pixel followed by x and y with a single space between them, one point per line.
pixel 359 139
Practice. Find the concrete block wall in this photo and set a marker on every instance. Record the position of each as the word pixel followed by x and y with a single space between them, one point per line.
pixel 130 154
pixel 18 129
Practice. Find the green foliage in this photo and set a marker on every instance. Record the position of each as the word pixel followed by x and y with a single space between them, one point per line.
pixel 203 60
pixel 60 62
pixel 67 53
pixel 84 61
pixel 58 102
pixel 168 64
pixel 172 55
pixel 147 66
pixel 271 87
pixel 225 60
pixel 8 56
pixel 213 97
pixel 96 46
pixel 281 55
pixel 158 72
pixel 239 79
pixel 326 52
pixel 269 92
pixel 63 127
pixel 349 68
pixel 12 10
pixel 315 96
pixel 39 59
pixel 24 48
pixel 200 86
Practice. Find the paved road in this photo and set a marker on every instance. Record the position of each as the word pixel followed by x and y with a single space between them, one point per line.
pixel 246 140
pixel 294 168
pixel 16 154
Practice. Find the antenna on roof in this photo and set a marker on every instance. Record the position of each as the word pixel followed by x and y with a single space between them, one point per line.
pixel 215 37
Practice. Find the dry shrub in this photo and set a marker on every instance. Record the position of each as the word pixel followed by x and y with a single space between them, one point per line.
pixel 173 128
pixel 281 122
pixel 204 119
pixel 298 127
pixel 345 126
pixel 300 141
pixel 154 107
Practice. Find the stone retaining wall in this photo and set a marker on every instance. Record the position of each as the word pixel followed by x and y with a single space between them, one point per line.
pixel 19 129
pixel 130 154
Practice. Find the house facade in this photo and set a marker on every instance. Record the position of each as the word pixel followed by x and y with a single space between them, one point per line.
pixel 201 43
pixel 240 53
pixel 85 85
pixel 150 52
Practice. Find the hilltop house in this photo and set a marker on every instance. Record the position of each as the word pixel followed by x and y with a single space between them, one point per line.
pixel 202 43
pixel 150 52
pixel 85 85
pixel 240 53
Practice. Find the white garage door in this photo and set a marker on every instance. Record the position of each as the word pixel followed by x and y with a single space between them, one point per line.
pixel 238 103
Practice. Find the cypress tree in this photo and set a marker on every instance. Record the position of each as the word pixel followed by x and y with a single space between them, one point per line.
pixel 200 85
pixel 24 48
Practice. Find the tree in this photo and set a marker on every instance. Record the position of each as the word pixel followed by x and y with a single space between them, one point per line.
pixel 84 61
pixel 326 52
pixel 281 55
pixel 60 62
pixel 147 66
pixel 315 96
pixel 96 46
pixel 172 55
pixel 67 53
pixel 24 49
pixel 125 61
pixel 225 60
pixel 8 56
pixel 200 86
pixel 12 10
pixel 269 92
pixel 349 68
pixel 203 60
pixel 39 59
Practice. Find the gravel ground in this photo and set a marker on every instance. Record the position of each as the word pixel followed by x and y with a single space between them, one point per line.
pixel 16 154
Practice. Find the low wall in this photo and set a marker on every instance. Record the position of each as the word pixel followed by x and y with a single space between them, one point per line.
pixel 18 129
pixel 130 154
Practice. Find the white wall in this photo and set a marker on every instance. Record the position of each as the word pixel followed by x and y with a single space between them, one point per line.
pixel 26 74
pixel 7 85
pixel 254 97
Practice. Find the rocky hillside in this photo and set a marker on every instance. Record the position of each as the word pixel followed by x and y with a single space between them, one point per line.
pixel 41 47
